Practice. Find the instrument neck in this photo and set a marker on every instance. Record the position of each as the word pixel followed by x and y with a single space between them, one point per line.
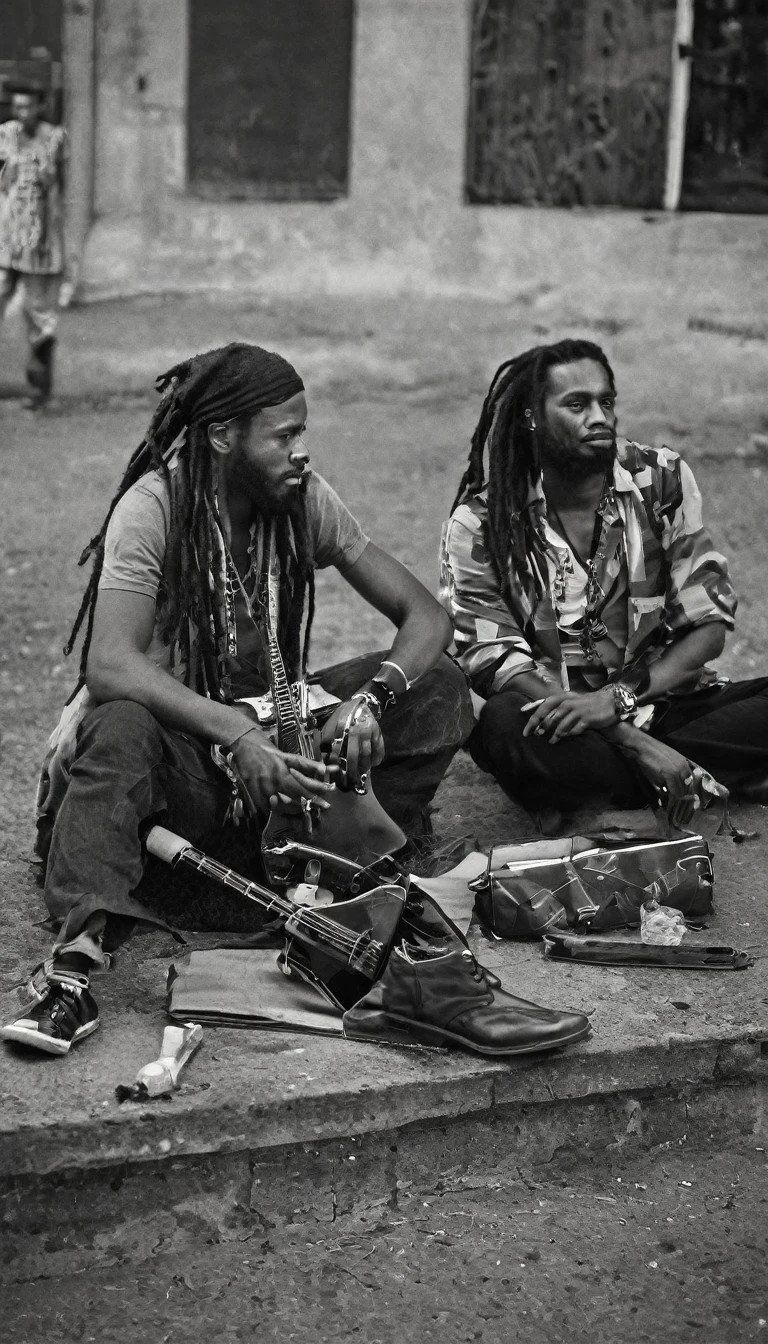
pixel 323 928
pixel 290 729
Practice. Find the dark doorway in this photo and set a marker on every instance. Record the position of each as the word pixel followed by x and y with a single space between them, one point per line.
pixel 569 101
pixel 726 145
pixel 30 49
pixel 269 98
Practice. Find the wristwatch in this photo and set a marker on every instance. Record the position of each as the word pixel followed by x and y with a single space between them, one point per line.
pixel 624 699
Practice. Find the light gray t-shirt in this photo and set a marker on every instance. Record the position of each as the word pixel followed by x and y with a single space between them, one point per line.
pixel 134 557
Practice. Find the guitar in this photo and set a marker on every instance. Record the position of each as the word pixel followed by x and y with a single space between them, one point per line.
pixel 355 827
pixel 341 949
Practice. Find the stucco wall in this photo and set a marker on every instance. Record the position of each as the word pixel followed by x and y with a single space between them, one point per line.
pixel 404 224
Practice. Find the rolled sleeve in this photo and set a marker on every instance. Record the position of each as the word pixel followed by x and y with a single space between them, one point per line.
pixel 490 647
pixel 699 589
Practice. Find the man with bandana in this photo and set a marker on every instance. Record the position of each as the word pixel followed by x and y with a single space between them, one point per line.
pixel 174 638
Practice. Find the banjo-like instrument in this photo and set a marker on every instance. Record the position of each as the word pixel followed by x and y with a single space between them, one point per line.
pixel 341 949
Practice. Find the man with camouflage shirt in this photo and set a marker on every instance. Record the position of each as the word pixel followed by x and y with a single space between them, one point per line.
pixel 587 600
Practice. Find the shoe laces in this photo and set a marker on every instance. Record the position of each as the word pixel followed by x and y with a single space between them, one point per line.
pixel 478 971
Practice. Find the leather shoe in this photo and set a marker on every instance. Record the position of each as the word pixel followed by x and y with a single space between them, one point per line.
pixel 449 998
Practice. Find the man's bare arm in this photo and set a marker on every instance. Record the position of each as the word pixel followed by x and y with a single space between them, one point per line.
pixel 119 669
pixel 424 630
pixel 683 659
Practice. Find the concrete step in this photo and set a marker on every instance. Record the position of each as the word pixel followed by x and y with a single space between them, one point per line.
pixel 364 1126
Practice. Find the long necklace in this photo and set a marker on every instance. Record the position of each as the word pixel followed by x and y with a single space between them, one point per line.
pixel 594 628
pixel 234 584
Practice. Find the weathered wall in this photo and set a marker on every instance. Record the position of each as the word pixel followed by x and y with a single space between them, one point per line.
pixel 404 224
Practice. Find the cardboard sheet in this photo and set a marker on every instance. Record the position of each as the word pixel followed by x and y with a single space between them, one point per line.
pixel 244 987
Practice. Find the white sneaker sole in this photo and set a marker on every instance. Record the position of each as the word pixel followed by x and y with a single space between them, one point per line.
pixel 25 1032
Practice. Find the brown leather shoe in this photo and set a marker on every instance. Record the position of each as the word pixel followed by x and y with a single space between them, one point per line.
pixel 449 998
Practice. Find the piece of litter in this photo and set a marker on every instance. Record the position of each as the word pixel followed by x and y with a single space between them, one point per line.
pixel 639 1186
pixel 606 1199
pixel 688 1183
pixel 653 1264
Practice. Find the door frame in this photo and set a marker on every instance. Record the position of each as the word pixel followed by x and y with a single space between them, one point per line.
pixel 78 57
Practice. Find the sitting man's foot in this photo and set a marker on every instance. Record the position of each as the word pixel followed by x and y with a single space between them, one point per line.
pixel 61 1010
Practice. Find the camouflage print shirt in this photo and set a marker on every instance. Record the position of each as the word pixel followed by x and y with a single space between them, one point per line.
pixel 656 567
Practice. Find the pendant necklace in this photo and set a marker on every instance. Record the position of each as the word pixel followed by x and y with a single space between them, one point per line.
pixel 594 628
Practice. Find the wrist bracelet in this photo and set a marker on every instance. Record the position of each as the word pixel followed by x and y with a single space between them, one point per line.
pixel 383 695
pixel 388 663
pixel 230 746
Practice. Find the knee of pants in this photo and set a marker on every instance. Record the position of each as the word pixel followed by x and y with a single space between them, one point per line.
pixel 500 727
pixel 117 727
pixel 448 690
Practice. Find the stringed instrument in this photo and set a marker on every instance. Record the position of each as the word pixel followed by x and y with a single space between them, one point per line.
pixel 355 826
pixel 340 949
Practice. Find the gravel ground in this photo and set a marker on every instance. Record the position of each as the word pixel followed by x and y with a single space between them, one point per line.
pixel 665 1246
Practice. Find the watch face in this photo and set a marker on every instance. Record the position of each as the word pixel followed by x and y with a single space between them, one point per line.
pixel 626 699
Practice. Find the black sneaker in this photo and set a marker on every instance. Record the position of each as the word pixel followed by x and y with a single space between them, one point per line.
pixel 60 1011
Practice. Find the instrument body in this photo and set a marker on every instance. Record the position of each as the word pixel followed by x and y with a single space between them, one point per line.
pixel 340 949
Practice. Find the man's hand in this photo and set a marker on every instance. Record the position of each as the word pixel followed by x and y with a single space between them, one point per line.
pixel 273 777
pixel 365 744
pixel 567 714
pixel 672 776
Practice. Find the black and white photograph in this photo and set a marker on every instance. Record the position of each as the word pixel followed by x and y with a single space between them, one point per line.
pixel 384 671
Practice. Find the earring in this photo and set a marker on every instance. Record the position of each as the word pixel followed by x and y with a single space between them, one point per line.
pixel 529 417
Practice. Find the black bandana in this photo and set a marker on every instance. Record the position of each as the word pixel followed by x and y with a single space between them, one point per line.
pixel 234 380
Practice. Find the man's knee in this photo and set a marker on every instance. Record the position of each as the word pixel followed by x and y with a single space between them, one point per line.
pixel 501 717
pixel 445 689
pixel 118 727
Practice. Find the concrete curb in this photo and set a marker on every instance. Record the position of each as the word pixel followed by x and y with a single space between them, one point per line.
pixel 94 1192
pixel 456 1087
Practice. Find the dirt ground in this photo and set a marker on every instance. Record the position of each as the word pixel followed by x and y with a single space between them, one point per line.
pixel 664 1246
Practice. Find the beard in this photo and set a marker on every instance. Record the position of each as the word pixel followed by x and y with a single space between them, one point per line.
pixel 578 462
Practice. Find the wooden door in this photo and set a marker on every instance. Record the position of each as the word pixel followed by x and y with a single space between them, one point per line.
pixel 569 101
pixel 726 144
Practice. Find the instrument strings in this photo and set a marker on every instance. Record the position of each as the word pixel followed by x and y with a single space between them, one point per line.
pixel 330 929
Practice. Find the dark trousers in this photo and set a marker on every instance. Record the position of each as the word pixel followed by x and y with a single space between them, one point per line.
pixel 724 730
pixel 129 770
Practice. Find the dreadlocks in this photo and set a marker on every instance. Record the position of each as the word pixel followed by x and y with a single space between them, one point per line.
pixel 221 385
pixel 513 448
